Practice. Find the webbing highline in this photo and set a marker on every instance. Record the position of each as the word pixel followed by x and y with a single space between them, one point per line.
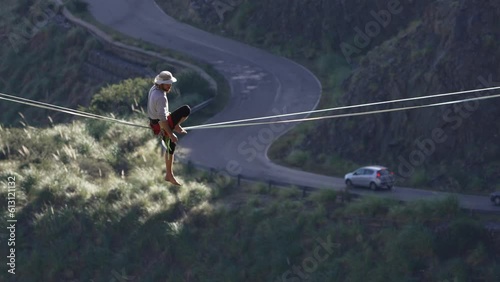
pixel 47 106
pixel 342 108
pixel 350 114
pixel 236 123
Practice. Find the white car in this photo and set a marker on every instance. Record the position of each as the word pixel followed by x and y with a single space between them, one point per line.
pixel 374 177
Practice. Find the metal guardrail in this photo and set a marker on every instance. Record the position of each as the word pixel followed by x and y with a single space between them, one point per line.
pixel 246 178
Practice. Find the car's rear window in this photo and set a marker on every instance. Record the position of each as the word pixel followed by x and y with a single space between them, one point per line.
pixel 384 172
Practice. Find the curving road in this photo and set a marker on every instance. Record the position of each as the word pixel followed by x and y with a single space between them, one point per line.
pixel 261 84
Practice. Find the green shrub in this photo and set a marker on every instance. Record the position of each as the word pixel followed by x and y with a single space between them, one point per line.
pixel 194 198
pixel 411 251
pixel 29 183
pixel 325 196
pixel 453 270
pixel 118 99
pixel 254 201
pixel 290 193
pixel 418 178
pixel 461 236
pixel 477 184
pixel 190 82
pixel 262 188
pixel 371 207
pixel 114 195
pixel 126 97
pixel 426 211
pixel 297 158
pixel 95 168
pixel 224 186
pixel 329 62
pixel 337 165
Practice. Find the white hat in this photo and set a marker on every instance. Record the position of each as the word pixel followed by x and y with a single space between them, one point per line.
pixel 165 77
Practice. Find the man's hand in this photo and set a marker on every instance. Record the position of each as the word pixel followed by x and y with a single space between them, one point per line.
pixel 180 130
pixel 173 137
pixel 169 134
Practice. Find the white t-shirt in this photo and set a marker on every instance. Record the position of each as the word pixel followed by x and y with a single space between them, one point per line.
pixel 157 104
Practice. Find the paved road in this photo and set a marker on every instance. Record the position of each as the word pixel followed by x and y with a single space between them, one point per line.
pixel 261 84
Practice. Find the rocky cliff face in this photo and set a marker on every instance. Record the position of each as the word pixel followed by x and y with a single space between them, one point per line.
pixel 451 48
pixel 397 49
pixel 321 25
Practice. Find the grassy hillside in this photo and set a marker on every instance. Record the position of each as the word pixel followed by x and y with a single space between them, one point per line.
pixel 92 205
pixel 98 209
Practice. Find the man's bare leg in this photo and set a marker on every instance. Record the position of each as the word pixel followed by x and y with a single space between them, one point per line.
pixel 169 161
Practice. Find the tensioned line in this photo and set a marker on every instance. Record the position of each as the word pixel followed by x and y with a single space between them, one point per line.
pixel 50 105
pixel 241 122
pixel 343 107
pixel 353 114
pixel 56 108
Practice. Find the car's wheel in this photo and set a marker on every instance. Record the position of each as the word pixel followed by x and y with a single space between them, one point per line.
pixel 497 201
pixel 389 187
pixel 373 186
pixel 348 182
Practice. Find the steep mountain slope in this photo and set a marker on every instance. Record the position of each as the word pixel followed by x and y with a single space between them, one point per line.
pixel 395 49
pixel 42 57
pixel 45 57
pixel 452 48
pixel 316 25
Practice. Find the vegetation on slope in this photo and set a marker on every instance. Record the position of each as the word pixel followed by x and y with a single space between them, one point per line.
pixel 440 147
pixel 130 95
pixel 47 61
pixel 91 204
pixel 91 209
pixel 42 60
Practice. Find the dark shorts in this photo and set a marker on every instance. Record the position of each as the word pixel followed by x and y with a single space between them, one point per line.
pixel 173 120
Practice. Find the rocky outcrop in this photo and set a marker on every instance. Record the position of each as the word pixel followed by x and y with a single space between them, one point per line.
pixel 450 49
pixel 321 25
